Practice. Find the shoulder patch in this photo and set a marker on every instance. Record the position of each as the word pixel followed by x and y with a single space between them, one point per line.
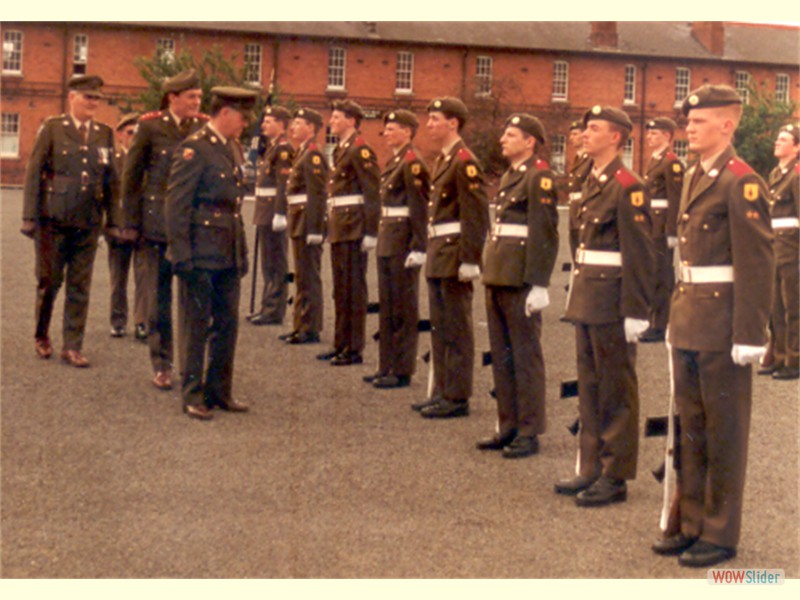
pixel 151 115
pixel 546 183
pixel 542 164
pixel 188 153
pixel 637 199
pixel 677 167
pixel 316 159
pixel 750 191
pixel 365 153
pixel 472 171
pixel 359 141
pixel 738 167
pixel 797 168
pixel 416 169
pixel 625 177
pixel 410 156
pixel 671 156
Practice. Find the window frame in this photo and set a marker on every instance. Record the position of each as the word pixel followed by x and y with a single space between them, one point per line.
pixel 682 89
pixel 253 67
pixel 77 58
pixel 9 134
pixel 404 70
pixel 560 80
pixel 629 85
pixel 484 74
pixel 15 54
pixel 782 91
pixel 336 71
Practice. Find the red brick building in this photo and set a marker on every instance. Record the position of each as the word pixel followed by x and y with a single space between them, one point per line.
pixel 555 70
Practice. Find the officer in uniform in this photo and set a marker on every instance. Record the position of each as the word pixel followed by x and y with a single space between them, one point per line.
pixel 144 186
pixel 270 215
pixel 353 215
pixel 68 189
pixel 457 223
pixel 206 245
pixel 785 209
pixel 717 327
pixel 518 259
pixel 305 199
pixel 579 170
pixel 609 303
pixel 122 252
pixel 664 179
pixel 402 234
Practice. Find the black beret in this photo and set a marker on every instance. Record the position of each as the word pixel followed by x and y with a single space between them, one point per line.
pixel 610 114
pixel 350 108
pixel 576 125
pixel 279 112
pixel 402 117
pixel 793 130
pixel 527 123
pixel 710 96
pixel 310 115
pixel 662 124
pixel 450 107
pixel 85 83
pixel 185 80
pixel 237 98
pixel 128 119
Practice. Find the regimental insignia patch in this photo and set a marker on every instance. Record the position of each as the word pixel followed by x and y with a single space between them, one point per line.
pixel 416 169
pixel 547 183
pixel 188 153
pixel 316 160
pixel 472 171
pixel 365 153
pixel 751 191
pixel 676 168
pixel 284 155
pixel 637 199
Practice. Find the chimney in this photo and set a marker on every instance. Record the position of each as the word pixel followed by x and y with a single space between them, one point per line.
pixel 711 34
pixel 371 28
pixel 604 34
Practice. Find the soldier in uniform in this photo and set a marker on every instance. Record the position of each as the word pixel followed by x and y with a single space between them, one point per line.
pixel 353 215
pixel 518 259
pixel 68 189
pixel 717 327
pixel 121 252
pixel 579 170
pixel 206 245
pixel 664 179
pixel 457 222
pixel 270 216
pixel 402 235
pixel 305 199
pixel 609 303
pixel 785 210
pixel 144 187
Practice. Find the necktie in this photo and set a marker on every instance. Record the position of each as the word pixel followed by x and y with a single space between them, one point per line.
pixel 83 131
pixel 184 127
pixel 698 173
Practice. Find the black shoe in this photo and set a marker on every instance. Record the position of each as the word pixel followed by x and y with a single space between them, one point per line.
pixel 418 406
pixel 117 332
pixel 672 545
pixel 446 409
pixel 303 338
pixel 346 358
pixel 264 320
pixel 572 487
pixel 653 335
pixel 372 377
pixel 603 492
pixel 140 333
pixel 786 373
pixel 496 442
pixel 392 381
pixel 328 354
pixel 521 447
pixel 770 369
pixel 705 554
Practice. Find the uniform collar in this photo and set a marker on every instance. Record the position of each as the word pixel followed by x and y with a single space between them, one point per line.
pixel 217 133
pixel 78 123
pixel 447 149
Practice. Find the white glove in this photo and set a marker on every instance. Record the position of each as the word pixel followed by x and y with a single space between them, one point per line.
pixel 634 328
pixel 314 239
pixel 468 272
pixel 745 355
pixel 279 222
pixel 368 243
pixel 672 241
pixel 414 259
pixel 537 299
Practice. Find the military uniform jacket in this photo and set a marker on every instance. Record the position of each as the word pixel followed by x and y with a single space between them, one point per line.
pixel 784 188
pixel 114 216
pixel 404 186
pixel 526 199
pixel 307 178
pixel 664 179
pixel 67 180
pixel 144 184
pixel 355 172
pixel 203 207
pixel 613 216
pixel 723 221
pixel 273 173
pixel 458 196
pixel 578 172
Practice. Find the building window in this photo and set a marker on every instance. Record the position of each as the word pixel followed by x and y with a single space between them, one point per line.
pixel 405 73
pixel 681 149
pixel 80 53
pixel 782 88
pixel 483 75
pixel 743 86
pixel 630 84
pixel 12 52
pixel 682 83
pixel 165 50
pixel 336 68
pixel 9 135
pixel 558 153
pixel 560 80
pixel 627 153
pixel 252 63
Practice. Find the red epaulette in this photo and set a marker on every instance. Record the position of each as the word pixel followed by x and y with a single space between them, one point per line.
pixel 797 168
pixel 359 141
pixel 153 114
pixel 542 164
pixel 625 177
pixel 671 156
pixel 738 167
pixel 312 146
pixel 464 154
pixel 410 156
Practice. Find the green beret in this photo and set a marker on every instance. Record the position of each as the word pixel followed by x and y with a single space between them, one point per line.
pixel 450 107
pixel 527 123
pixel 793 130
pixel 309 115
pixel 185 80
pixel 402 117
pixel 662 124
pixel 576 125
pixel 709 96
pixel 349 108
pixel 128 119
pixel 279 112
pixel 86 83
pixel 610 114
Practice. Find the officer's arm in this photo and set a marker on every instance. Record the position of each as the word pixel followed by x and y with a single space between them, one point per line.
pixel 473 210
pixel 183 182
pixel 368 173
pixel 542 244
pixel 283 166
pixel 38 166
pixel 133 175
pixel 674 185
pixel 315 172
pixel 417 185
pixel 638 253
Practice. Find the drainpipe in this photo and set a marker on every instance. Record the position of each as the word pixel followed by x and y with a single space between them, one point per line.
pixel 64 64
pixel 642 118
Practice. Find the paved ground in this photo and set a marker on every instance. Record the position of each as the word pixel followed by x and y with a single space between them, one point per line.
pixel 103 477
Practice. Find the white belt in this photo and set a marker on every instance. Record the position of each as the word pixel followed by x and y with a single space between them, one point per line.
pixel 395 212
pixel 351 200
pixel 265 192
pixel 444 229
pixel 659 203
pixel 786 223
pixel 715 274
pixel 509 230
pixel 605 258
pixel 575 196
pixel 296 199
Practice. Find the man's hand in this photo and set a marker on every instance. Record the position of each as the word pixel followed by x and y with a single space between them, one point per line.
pixel 746 355
pixel 537 300
pixel 314 239
pixel 634 328
pixel 368 243
pixel 279 222
pixel 414 259
pixel 468 272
